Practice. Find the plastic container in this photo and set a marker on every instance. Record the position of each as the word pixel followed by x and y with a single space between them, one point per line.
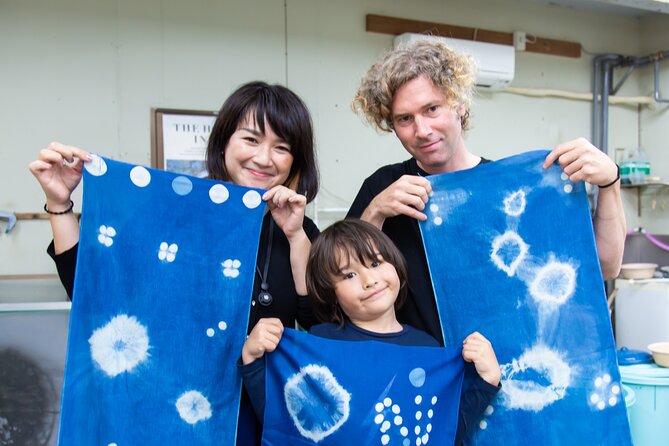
pixel 642 168
pixel 649 413
pixel 642 313
pixel 630 400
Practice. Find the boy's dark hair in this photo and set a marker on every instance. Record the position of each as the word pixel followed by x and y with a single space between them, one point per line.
pixel 350 237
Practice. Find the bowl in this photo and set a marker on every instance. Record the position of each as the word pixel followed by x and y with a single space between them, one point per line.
pixel 638 270
pixel 660 351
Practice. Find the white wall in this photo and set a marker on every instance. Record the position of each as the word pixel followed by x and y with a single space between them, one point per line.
pixel 87 73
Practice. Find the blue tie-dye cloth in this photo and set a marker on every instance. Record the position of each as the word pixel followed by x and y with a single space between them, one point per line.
pixel 330 392
pixel 160 310
pixel 512 254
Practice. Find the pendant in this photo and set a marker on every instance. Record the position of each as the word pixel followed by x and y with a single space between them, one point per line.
pixel 264 298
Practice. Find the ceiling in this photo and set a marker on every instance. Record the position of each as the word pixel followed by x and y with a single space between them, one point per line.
pixel 622 7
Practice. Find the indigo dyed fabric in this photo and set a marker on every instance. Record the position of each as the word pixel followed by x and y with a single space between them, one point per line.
pixel 160 308
pixel 512 255
pixel 330 392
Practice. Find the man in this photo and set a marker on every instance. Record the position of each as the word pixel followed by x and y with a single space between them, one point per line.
pixel 423 93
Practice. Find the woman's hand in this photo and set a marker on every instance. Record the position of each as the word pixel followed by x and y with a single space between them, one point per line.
pixel 58 170
pixel 264 338
pixel 287 208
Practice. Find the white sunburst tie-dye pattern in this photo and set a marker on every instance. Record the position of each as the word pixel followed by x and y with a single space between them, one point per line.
pixel 120 345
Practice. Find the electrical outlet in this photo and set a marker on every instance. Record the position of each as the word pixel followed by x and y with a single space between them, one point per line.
pixel 519 40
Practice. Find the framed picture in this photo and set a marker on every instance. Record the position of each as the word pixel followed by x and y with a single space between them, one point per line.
pixel 179 140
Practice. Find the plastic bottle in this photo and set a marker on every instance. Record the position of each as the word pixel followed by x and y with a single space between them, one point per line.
pixel 627 164
pixel 642 166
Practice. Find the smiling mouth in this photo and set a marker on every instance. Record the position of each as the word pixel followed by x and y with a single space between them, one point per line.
pixel 259 174
pixel 428 146
pixel 374 294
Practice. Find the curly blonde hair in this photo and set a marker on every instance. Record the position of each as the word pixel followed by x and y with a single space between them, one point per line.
pixel 452 72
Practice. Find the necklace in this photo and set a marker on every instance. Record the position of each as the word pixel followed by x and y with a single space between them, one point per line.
pixel 264 297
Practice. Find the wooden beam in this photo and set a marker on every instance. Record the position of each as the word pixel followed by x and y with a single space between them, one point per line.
pixel 395 26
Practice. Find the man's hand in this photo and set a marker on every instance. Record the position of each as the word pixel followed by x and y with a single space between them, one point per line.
pixel 406 196
pixel 583 162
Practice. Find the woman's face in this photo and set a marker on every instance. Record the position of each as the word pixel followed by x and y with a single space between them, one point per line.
pixel 256 157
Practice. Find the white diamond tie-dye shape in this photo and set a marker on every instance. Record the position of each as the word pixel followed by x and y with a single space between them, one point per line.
pixel 508 251
pixel 120 345
pixel 316 402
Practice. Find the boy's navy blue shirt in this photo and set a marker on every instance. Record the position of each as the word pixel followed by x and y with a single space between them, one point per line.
pixel 476 393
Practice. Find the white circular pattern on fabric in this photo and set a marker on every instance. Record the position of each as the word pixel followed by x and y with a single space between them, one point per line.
pixel 418 399
pixel 613 401
pixel 419 415
pixel 378 419
pixel 430 413
pixel 607 378
pixel 385 426
pixel 598 382
pixel 96 166
pixel 438 221
pixel 140 176
pixel 553 284
pixel 396 408
pixel 222 326
pixel 387 402
pixel 398 420
pixel 417 430
pixel 210 332
pixel 193 407
pixel 404 431
pixel 112 444
pixel 379 407
pixel 564 176
pixel 434 208
pixel 418 441
pixel 615 389
pixel 568 188
pixel 489 410
pixel 428 427
pixel 601 405
pixel 182 185
pixel 434 400
pixel 417 377
pixel 218 193
pixel 483 424
pixel 385 439
pixel 425 438
pixel 594 398
pixel 251 199
pixel 120 345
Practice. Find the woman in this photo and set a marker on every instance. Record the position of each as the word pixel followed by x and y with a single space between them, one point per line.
pixel 262 138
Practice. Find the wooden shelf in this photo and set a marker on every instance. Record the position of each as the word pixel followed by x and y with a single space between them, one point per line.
pixel 395 26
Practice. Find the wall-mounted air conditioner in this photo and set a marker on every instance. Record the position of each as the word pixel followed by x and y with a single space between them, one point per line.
pixel 496 63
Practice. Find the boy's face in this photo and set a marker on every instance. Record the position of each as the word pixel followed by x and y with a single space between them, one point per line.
pixel 367 291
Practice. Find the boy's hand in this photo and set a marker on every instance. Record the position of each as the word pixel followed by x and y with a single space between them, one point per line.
pixel 477 349
pixel 264 338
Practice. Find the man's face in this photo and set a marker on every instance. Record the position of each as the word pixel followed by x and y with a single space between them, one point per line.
pixel 427 127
